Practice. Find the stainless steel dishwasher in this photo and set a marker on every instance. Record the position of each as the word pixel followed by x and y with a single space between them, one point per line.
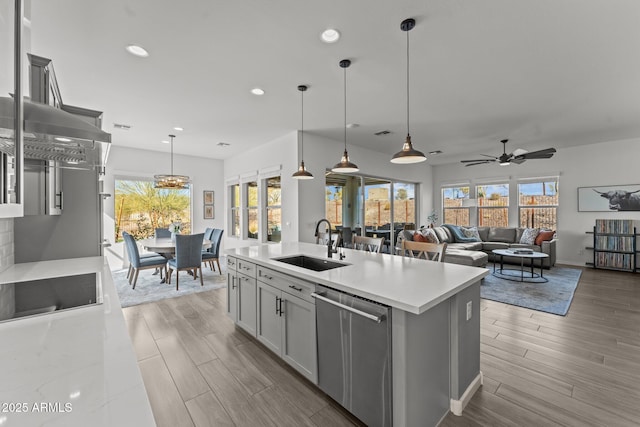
pixel 354 354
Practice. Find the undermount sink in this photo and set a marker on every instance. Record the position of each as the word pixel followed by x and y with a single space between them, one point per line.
pixel 310 263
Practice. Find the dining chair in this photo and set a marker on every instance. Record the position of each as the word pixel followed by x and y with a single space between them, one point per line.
pixel 428 251
pixel 323 239
pixel 163 233
pixel 368 244
pixel 137 262
pixel 188 257
pixel 142 255
pixel 211 254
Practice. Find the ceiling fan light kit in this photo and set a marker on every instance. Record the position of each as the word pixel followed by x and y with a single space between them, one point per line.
pixel 171 181
pixel 518 156
pixel 302 172
pixel 408 154
pixel 345 165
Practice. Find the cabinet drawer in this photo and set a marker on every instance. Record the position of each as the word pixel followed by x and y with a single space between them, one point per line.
pixel 231 263
pixel 289 284
pixel 247 268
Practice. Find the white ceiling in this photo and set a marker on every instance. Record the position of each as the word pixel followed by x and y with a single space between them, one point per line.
pixel 544 73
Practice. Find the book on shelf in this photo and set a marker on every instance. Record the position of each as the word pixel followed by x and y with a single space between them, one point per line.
pixel 614 226
pixel 521 251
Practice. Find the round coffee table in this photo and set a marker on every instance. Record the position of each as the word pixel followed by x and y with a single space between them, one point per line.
pixel 530 277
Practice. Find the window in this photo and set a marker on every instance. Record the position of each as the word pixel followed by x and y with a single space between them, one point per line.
pixel 455 206
pixel 538 203
pixel 377 203
pixel 252 210
pixel 404 205
pixel 140 208
pixel 333 204
pixel 234 191
pixel 493 205
pixel 274 209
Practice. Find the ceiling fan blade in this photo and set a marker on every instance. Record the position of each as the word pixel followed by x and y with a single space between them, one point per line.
pixel 479 162
pixel 519 152
pixel 541 154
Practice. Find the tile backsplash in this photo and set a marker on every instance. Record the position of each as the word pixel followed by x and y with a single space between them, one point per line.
pixel 6 243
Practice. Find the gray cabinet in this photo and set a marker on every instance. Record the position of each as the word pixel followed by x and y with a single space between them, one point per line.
pixel 43 184
pixel 241 293
pixel 286 319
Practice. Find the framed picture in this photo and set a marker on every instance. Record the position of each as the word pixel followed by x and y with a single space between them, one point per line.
pixel 208 211
pixel 208 197
pixel 617 198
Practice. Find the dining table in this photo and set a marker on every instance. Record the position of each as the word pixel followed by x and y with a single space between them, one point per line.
pixel 166 247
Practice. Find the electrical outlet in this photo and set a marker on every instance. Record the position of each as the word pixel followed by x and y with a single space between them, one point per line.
pixel 469 310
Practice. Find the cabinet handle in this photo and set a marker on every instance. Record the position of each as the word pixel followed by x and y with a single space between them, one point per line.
pixel 281 312
pixel 265 276
pixel 295 288
pixel 60 204
pixel 233 282
pixel 277 306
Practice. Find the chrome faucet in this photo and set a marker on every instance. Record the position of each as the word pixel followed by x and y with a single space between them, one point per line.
pixel 330 250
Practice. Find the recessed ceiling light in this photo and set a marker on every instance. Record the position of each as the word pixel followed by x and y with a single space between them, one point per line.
pixel 330 35
pixel 137 50
pixel 178 128
pixel 58 138
pixel 257 91
pixel 164 141
pixel 352 125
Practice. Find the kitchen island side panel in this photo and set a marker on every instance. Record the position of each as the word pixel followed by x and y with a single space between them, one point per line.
pixel 421 364
pixel 465 340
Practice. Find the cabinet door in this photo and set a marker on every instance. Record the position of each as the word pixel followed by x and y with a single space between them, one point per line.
pixel 246 287
pixel 232 296
pixel 269 330
pixel 53 179
pixel 299 336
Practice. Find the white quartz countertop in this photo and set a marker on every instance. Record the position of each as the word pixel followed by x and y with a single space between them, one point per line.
pixel 412 285
pixel 70 368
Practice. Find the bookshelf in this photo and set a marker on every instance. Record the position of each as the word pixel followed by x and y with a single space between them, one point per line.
pixel 614 245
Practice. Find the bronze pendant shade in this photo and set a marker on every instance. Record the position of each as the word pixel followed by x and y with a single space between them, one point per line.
pixel 345 165
pixel 408 154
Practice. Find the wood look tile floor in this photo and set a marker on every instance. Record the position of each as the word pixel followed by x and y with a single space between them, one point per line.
pixel 539 369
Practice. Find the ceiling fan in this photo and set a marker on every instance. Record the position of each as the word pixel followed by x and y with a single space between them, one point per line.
pixel 518 156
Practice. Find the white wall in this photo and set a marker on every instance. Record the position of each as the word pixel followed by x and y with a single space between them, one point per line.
pixel 282 153
pixel 322 153
pixel 608 163
pixel 205 174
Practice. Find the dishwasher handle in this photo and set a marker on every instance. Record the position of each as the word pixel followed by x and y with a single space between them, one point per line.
pixel 370 316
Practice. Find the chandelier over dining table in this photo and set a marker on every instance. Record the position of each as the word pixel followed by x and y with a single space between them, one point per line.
pixel 171 181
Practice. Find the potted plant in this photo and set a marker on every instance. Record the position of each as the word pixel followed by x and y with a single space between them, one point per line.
pixel 432 218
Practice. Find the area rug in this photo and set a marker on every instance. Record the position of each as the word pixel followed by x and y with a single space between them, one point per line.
pixel 149 289
pixel 552 297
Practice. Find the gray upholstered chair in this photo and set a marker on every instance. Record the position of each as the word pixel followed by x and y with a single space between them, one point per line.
pixel 163 233
pixel 213 253
pixel 138 262
pixel 188 257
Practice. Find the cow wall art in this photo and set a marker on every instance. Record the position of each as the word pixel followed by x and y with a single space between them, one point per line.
pixel 616 198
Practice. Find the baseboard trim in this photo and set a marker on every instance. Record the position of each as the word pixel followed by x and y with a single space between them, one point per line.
pixel 457 406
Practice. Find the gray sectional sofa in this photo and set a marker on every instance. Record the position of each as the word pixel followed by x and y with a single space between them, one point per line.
pixel 490 238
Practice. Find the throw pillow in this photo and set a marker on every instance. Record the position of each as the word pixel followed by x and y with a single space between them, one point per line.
pixel 471 233
pixel 404 235
pixel 544 235
pixel 529 236
pixel 457 233
pixel 420 238
pixel 429 234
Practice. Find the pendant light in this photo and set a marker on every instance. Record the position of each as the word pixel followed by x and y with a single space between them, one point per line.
pixel 173 182
pixel 408 154
pixel 302 173
pixel 345 165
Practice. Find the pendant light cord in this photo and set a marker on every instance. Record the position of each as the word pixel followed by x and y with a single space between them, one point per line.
pixel 345 108
pixel 407 83
pixel 302 127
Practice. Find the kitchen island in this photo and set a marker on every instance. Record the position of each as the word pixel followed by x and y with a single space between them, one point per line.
pixel 74 367
pixel 435 322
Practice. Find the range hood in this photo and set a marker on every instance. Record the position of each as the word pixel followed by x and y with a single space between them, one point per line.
pixel 50 132
pixel 53 134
